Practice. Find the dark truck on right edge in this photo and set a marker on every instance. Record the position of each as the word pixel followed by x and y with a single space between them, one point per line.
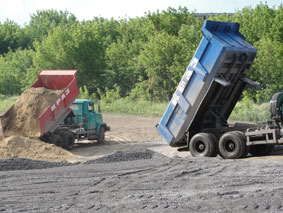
pixel 207 93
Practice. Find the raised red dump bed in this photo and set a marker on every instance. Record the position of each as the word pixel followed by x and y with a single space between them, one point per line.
pixel 64 80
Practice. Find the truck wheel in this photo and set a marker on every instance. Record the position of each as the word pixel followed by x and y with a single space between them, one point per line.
pixel 203 145
pixel 215 138
pixel 247 148
pixel 101 135
pixel 68 140
pixel 261 149
pixel 56 139
pixel 231 146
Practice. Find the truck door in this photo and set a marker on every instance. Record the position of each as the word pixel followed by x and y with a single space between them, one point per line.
pixel 91 116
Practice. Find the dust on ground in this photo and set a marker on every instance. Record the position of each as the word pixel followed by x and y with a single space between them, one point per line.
pixel 23 118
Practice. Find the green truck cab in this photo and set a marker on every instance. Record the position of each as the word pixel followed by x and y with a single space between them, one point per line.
pixel 85 122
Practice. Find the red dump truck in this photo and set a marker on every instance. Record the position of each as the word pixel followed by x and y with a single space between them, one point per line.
pixel 54 115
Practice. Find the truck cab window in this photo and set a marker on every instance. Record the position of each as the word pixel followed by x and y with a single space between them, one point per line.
pixel 90 107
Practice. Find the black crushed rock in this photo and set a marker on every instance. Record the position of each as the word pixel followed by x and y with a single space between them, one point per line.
pixel 158 184
pixel 27 164
pixel 125 155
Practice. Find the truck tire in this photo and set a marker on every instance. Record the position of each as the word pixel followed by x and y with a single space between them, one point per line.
pixel 216 139
pixel 56 139
pixel 261 149
pixel 203 145
pixel 101 135
pixel 68 140
pixel 231 146
pixel 247 148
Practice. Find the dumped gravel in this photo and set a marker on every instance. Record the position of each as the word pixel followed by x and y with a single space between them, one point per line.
pixel 147 184
pixel 130 154
pixel 27 164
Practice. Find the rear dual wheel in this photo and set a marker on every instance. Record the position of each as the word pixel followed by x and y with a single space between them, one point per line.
pixel 56 139
pixel 68 140
pixel 232 145
pixel 64 139
pixel 203 145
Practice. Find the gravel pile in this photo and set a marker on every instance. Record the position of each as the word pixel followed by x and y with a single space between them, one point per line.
pixel 27 164
pixel 125 155
pixel 131 154
pixel 143 181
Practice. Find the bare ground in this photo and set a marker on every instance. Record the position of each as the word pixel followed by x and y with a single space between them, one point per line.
pixel 144 175
pixel 126 131
pixel 130 130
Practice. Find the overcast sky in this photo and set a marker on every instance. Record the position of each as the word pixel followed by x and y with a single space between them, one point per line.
pixel 20 10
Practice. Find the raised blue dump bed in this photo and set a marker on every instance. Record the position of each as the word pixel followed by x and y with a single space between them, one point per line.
pixel 211 85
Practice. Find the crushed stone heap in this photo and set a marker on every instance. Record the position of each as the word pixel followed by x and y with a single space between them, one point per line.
pixel 22 120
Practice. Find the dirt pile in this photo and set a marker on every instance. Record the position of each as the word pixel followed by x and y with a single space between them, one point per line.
pixel 23 118
pixel 22 147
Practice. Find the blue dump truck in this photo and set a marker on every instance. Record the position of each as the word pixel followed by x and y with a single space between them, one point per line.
pixel 207 93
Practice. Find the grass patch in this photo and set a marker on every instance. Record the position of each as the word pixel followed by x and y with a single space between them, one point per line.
pixel 251 112
pixel 245 111
pixel 6 103
pixel 127 106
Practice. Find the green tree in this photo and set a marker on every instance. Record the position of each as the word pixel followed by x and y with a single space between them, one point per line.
pixel 276 31
pixel 122 56
pixel 267 68
pixel 108 30
pixel 13 71
pixel 158 59
pixel 169 20
pixel 44 21
pixel 75 47
pixel 12 37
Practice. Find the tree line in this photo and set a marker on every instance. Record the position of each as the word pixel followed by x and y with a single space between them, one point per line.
pixel 139 58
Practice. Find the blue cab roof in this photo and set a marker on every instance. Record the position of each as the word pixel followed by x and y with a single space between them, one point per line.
pixel 81 101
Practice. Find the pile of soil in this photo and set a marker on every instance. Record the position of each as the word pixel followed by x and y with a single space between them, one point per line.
pixel 22 147
pixel 23 118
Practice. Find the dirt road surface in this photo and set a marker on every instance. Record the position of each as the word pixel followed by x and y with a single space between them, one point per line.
pixel 135 171
pixel 126 131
